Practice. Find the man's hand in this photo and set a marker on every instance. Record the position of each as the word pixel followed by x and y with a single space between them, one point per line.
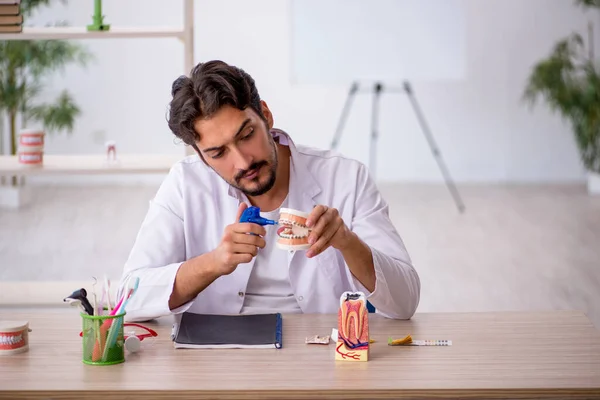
pixel 328 229
pixel 237 245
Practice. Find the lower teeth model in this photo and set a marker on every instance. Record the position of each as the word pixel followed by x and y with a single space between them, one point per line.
pixel 292 233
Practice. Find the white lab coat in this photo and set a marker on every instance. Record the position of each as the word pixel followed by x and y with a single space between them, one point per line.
pixel 193 205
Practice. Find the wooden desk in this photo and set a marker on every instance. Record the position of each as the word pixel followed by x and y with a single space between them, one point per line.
pixel 494 355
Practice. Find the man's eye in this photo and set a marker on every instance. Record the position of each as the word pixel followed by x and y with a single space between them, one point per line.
pixel 217 155
pixel 249 135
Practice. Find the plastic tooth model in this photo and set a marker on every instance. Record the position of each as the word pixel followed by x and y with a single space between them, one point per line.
pixel 111 151
pixel 14 337
pixel 353 328
pixel 293 232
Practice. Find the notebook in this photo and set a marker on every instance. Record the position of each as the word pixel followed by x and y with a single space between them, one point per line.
pixel 228 331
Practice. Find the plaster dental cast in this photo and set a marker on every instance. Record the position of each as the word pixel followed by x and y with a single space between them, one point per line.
pixel 193 251
pixel 293 233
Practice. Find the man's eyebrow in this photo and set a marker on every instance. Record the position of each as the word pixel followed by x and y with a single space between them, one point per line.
pixel 241 128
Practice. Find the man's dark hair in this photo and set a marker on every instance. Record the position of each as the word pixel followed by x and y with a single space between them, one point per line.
pixel 211 85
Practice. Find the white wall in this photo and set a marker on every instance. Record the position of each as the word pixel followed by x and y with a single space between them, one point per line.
pixel 484 131
pixel 375 40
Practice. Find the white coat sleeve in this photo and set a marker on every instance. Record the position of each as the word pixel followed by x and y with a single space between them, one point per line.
pixel 157 254
pixel 397 285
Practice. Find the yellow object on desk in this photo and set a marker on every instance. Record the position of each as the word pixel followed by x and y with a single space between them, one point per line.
pixel 399 342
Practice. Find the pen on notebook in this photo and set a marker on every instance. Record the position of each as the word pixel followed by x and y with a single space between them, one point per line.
pixel 174 329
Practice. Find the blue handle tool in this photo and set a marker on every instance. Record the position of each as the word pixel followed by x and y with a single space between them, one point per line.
pixel 252 214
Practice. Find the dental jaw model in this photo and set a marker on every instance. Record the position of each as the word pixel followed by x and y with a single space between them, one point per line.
pixel 293 232
pixel 353 328
pixel 14 337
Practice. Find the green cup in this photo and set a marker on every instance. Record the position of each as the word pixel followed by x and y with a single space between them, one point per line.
pixel 103 339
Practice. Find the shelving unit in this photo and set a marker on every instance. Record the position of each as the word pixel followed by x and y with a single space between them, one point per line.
pixel 184 33
pixel 93 163
pixel 61 33
pixel 23 293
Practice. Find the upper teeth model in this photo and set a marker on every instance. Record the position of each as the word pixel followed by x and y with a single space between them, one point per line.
pixel 293 232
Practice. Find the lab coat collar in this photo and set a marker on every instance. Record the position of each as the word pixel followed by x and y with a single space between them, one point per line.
pixel 302 182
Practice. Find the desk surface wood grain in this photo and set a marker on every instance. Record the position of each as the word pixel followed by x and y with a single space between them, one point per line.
pixel 494 355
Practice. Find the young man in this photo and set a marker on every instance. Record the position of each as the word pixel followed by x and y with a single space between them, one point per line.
pixel 192 254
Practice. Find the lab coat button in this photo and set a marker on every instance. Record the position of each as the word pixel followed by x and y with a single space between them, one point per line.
pixel 300 298
pixel 241 294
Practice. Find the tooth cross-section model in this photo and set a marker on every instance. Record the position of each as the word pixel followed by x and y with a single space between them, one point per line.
pixel 292 233
pixel 353 328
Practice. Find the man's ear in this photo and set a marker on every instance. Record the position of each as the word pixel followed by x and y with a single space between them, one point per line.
pixel 267 113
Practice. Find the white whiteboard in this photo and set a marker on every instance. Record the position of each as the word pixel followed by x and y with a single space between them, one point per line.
pixel 340 41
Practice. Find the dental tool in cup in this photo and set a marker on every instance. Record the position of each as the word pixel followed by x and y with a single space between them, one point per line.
pixel 114 328
pixel 106 292
pixel 81 295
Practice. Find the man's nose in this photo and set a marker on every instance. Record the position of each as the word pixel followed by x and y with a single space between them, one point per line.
pixel 241 160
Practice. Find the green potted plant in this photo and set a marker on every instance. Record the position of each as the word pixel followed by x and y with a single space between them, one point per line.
pixel 568 80
pixel 24 66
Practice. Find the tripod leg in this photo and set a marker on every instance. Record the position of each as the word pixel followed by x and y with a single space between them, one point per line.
pixel 338 132
pixel 374 126
pixel 436 152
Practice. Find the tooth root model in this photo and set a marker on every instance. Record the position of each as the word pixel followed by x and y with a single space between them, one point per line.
pixel 293 232
pixel 353 328
pixel 111 151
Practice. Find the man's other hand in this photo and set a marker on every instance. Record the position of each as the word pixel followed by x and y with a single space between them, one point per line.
pixel 327 229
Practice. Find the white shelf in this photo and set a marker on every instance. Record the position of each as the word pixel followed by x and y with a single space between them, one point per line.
pixel 51 33
pixel 91 164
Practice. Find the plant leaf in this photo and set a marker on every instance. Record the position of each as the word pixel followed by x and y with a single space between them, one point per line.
pixel 568 80
pixel 57 116
pixel 588 3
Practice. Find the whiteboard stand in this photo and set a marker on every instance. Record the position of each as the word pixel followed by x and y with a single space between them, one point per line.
pixel 407 89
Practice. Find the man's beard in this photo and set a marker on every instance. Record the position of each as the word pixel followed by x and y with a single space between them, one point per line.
pixel 272 174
